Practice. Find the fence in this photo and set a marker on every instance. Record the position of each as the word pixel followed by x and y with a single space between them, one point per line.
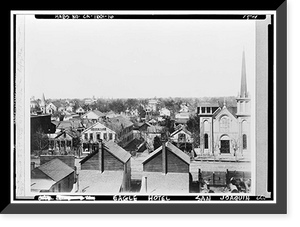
pixel 220 178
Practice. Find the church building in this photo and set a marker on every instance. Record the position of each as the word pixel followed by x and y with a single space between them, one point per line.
pixel 226 130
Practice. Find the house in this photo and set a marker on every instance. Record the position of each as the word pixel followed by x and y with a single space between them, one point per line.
pixel 69 108
pixel 80 111
pixel 164 112
pixel 182 138
pixel 93 115
pixel 62 142
pixel 166 170
pixel 52 176
pixel 152 132
pixel 89 101
pixel 123 128
pixel 106 170
pixel 93 134
pixel 140 130
pixel 51 108
pixel 226 130
pixel 152 104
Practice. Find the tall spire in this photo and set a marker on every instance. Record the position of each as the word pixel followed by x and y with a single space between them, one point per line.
pixel 43 101
pixel 243 93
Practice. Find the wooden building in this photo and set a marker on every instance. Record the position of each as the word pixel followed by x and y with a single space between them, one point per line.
pixel 53 176
pixel 106 170
pixel 166 170
pixel 182 138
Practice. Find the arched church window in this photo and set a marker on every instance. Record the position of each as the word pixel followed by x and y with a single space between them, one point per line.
pixel 205 141
pixel 244 141
pixel 224 124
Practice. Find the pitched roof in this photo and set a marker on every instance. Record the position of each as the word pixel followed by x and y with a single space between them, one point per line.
pixel 155 129
pixel 113 149
pixel 91 181
pixel 179 153
pixel 170 183
pixel 117 124
pixel 41 184
pixel 56 169
pixel 182 128
pixel 117 151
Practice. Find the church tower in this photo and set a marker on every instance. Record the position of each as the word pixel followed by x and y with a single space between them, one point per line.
pixel 244 111
pixel 43 104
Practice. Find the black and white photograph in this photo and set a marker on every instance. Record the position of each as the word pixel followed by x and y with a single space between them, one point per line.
pixel 144 107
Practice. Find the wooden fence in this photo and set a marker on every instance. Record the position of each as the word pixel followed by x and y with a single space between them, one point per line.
pixel 219 178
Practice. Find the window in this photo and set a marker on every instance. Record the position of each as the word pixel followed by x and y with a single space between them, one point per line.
pixel 202 109
pixel 208 109
pixel 110 136
pixel 91 136
pixel 85 136
pixel 98 136
pixel 105 136
pixel 59 187
pixel 224 124
pixel 181 137
pixel 205 141
pixel 68 143
pixel 244 141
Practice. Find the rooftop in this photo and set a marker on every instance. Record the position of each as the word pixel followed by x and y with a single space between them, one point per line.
pixel 170 183
pixel 91 181
pixel 179 153
pixel 56 169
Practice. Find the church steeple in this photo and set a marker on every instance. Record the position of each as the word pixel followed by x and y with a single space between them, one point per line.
pixel 243 92
pixel 43 104
pixel 243 98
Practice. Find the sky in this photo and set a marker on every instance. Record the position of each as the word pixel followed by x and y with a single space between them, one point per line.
pixel 137 58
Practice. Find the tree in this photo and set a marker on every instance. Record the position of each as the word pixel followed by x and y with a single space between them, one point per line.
pixel 169 124
pixel 193 125
pixel 156 142
pixel 131 104
pixel 117 106
pixel 40 141
pixel 142 112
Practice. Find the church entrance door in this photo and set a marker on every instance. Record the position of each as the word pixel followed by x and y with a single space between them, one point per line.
pixel 225 146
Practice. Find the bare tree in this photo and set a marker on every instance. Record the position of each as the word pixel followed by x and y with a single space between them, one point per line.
pixel 40 141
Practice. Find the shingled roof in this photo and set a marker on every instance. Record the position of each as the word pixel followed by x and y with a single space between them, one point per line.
pixel 113 149
pixel 56 169
pixel 117 124
pixel 179 153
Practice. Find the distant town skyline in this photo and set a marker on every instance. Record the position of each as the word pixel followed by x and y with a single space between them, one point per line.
pixel 137 58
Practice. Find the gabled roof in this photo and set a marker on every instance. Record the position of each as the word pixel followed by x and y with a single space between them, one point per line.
pixel 117 124
pixel 95 124
pixel 179 153
pixel 97 112
pixel 113 149
pixel 155 129
pixel 228 110
pixel 182 128
pixel 56 169
pixel 117 151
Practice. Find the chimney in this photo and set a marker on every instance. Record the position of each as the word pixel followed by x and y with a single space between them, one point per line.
pixel 100 156
pixel 32 165
pixel 164 152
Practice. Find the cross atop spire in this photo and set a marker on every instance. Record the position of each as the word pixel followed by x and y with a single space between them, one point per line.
pixel 243 92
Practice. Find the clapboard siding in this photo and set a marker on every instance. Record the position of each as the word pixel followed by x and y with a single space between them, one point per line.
pixel 92 163
pixel 111 162
pixel 175 164
pixel 154 164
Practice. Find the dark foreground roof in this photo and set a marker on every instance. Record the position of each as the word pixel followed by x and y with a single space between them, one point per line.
pixel 56 169
pixel 113 149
